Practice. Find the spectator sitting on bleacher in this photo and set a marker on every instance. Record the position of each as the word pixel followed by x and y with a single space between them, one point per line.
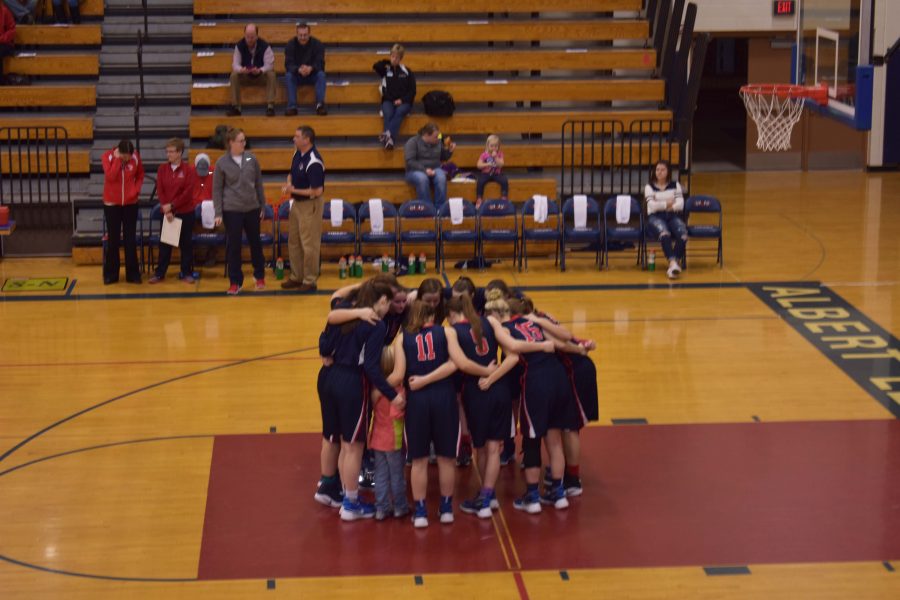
pixel 424 154
pixel 253 63
pixel 7 43
pixel 304 63
pixel 398 91
pixel 59 13
pixel 490 163
pixel 22 10
pixel 665 203
pixel 203 185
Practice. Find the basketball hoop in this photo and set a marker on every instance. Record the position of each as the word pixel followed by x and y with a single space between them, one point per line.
pixel 776 108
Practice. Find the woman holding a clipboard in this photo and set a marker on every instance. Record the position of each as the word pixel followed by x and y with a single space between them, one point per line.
pixel 175 189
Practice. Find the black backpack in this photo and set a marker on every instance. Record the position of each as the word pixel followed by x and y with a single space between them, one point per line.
pixel 438 103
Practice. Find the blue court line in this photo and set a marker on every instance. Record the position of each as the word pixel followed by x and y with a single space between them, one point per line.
pixel 71 287
pixel 888 566
pixel 418 579
pixel 20 563
pixel 446 279
pixel 270 584
pixel 637 421
pixel 564 575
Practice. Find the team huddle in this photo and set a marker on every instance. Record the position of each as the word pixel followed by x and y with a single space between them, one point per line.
pixel 388 354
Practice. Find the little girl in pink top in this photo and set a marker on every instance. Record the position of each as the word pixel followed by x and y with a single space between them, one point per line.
pixel 490 163
pixel 386 440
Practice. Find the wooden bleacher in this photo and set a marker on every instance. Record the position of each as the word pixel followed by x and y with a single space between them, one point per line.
pixel 45 63
pixel 374 158
pixel 52 35
pixel 77 127
pixel 79 161
pixel 379 32
pixel 48 95
pixel 336 7
pixel 459 61
pixel 497 90
pixel 369 126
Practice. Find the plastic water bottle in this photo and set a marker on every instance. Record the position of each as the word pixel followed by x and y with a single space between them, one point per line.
pixel 279 268
pixel 651 261
pixel 422 267
pixel 412 264
pixel 384 263
pixel 359 266
pixel 342 268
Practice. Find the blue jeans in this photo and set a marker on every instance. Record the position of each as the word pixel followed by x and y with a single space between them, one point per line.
pixel 390 482
pixel 393 117
pixel 668 224
pixel 295 80
pixel 422 182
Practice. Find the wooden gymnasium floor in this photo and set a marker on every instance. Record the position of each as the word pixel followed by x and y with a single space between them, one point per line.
pixel 161 442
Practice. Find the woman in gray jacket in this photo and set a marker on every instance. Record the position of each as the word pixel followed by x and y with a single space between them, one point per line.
pixel 240 203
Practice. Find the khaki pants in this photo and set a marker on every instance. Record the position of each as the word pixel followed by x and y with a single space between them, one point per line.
pixel 305 238
pixel 239 79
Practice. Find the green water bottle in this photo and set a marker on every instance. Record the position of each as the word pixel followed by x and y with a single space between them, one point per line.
pixel 279 268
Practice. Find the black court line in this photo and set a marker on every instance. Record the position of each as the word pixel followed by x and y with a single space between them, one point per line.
pixel 736 570
pixel 20 563
pixel 888 566
pixel 323 292
pixel 270 584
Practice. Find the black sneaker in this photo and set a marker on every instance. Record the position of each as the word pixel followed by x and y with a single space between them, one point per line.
pixel 234 111
pixel 572 485
pixel 329 495
pixel 367 480
pixel 291 112
pixel 321 110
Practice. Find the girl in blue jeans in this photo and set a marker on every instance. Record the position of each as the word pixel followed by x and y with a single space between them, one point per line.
pixel 665 206
pixel 398 91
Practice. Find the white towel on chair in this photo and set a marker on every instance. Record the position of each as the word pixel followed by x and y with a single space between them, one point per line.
pixel 337 212
pixel 376 215
pixel 623 209
pixel 580 212
pixel 207 214
pixel 540 208
pixel 456 210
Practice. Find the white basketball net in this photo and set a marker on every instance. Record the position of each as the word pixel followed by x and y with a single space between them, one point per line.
pixel 775 116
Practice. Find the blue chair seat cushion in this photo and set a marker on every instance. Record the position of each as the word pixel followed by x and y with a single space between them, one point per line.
pixel 378 238
pixel 582 234
pixel 337 237
pixel 624 233
pixel 500 235
pixel 541 234
pixel 418 236
pixel 458 236
pixel 704 231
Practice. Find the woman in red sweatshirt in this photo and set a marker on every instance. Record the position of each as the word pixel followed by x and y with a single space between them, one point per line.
pixel 175 188
pixel 123 176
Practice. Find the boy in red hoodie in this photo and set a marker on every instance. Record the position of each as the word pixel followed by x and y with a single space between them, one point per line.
pixel 175 188
pixel 123 174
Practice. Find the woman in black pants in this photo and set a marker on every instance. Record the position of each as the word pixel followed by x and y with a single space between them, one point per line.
pixel 240 203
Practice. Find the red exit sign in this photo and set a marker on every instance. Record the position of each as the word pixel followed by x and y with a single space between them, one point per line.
pixel 782 8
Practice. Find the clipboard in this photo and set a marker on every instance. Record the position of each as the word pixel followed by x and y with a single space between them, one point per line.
pixel 170 232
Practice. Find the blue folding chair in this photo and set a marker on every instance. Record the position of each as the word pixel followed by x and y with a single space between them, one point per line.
pixel 458 240
pixel 376 243
pixel 631 232
pixel 703 217
pixel 206 238
pixel 540 236
pixel 590 234
pixel 338 240
pixel 282 220
pixel 418 228
pixel 498 230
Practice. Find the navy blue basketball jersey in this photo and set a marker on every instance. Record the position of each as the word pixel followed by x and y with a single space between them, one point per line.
pixel 523 329
pixel 482 353
pixel 425 350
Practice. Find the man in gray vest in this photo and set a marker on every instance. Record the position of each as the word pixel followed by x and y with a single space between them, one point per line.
pixel 253 63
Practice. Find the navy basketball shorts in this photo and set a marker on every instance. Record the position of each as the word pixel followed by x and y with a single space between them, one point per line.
pixel 583 374
pixel 489 413
pixel 344 405
pixel 547 399
pixel 432 416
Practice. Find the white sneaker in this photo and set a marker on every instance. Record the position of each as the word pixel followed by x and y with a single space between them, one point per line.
pixel 674 270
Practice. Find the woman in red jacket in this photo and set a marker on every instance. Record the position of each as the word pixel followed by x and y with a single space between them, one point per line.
pixel 123 176
pixel 175 188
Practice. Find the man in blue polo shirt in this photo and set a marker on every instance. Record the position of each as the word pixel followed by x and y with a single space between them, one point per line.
pixel 305 184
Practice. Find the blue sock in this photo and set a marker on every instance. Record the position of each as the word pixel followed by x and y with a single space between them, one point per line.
pixel 446 499
pixel 531 487
pixel 487 492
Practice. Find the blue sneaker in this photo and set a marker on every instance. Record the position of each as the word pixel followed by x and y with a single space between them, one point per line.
pixel 557 497
pixel 479 505
pixel 446 512
pixel 420 517
pixel 352 511
pixel 530 502
pixel 495 504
